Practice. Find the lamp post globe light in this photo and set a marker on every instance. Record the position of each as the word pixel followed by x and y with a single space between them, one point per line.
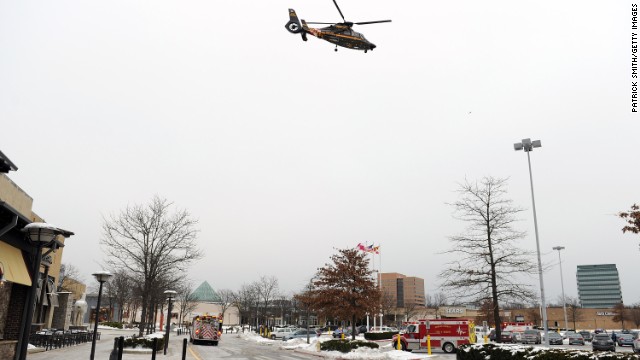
pixel 170 295
pixel 40 235
pixel 564 302
pixel 527 145
pixel 102 277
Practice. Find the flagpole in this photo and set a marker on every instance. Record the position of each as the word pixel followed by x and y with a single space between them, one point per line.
pixel 380 281
pixel 373 268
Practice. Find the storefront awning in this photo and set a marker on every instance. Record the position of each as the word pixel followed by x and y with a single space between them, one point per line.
pixel 13 266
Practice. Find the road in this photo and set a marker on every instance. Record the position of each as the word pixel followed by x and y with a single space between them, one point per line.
pixel 232 347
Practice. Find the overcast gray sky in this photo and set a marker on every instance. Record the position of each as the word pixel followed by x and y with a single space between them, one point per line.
pixel 285 150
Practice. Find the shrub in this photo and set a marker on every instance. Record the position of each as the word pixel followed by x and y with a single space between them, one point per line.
pixel 359 343
pixel 113 324
pixel 133 342
pixel 379 335
pixel 345 346
pixel 511 352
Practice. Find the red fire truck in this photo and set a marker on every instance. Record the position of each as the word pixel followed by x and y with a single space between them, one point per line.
pixel 206 328
pixel 446 334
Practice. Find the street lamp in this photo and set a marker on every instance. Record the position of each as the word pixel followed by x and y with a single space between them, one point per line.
pixel 308 295
pixel 102 277
pixel 170 294
pixel 40 235
pixel 527 145
pixel 564 302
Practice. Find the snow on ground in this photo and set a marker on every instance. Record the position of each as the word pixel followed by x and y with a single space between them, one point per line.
pixel 385 351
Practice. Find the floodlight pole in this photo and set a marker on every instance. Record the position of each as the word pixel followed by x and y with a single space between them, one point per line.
pixel 527 145
pixel 564 302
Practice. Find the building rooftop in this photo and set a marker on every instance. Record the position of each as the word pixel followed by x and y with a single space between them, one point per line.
pixel 205 293
pixel 5 164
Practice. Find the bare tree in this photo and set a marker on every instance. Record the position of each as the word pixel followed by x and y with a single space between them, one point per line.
pixel 488 262
pixel 388 303
pixel 436 302
pixel 345 288
pixel 244 299
pixel 621 314
pixel 634 314
pixel 534 315
pixel 411 309
pixel 149 242
pixel 226 300
pixel 574 310
pixel 186 300
pixel 267 289
pixel 285 305
pixel 485 313
pixel 119 289
pixel 67 272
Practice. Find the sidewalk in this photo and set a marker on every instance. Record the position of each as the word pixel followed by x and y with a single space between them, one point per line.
pixel 105 345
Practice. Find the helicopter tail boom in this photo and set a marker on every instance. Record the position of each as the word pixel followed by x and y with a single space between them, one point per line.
pixel 293 26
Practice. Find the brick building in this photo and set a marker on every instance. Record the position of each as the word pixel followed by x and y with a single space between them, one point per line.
pixel 404 290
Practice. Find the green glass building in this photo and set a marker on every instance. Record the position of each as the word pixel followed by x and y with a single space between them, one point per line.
pixel 598 286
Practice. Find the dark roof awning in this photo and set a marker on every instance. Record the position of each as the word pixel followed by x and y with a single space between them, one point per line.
pixel 4 207
pixel 5 164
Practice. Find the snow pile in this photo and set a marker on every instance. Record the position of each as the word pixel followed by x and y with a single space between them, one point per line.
pixel 104 327
pixel 251 336
pixel 156 334
pixel 385 352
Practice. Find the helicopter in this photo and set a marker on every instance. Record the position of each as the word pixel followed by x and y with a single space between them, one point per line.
pixel 340 34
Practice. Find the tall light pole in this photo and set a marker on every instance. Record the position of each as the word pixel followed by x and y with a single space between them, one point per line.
pixel 564 302
pixel 102 277
pixel 170 294
pixel 527 145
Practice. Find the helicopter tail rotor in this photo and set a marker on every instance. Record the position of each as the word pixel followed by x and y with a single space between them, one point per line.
pixel 293 26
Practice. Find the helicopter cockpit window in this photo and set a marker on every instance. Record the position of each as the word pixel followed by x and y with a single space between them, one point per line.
pixel 358 35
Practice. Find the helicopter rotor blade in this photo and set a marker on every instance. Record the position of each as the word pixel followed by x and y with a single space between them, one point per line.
pixel 315 22
pixel 372 22
pixel 340 11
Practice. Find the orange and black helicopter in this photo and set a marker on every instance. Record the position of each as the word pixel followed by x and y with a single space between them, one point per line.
pixel 340 34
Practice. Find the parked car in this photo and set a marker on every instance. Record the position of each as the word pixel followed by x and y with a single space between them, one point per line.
pixel 555 338
pixel 517 336
pixel 492 335
pixel 531 337
pixel 507 337
pixel 337 333
pixel 602 341
pixel 362 329
pixel 636 345
pixel 300 333
pixel 587 335
pixel 278 333
pixel 383 329
pixel 624 339
pixel 327 329
pixel 575 339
